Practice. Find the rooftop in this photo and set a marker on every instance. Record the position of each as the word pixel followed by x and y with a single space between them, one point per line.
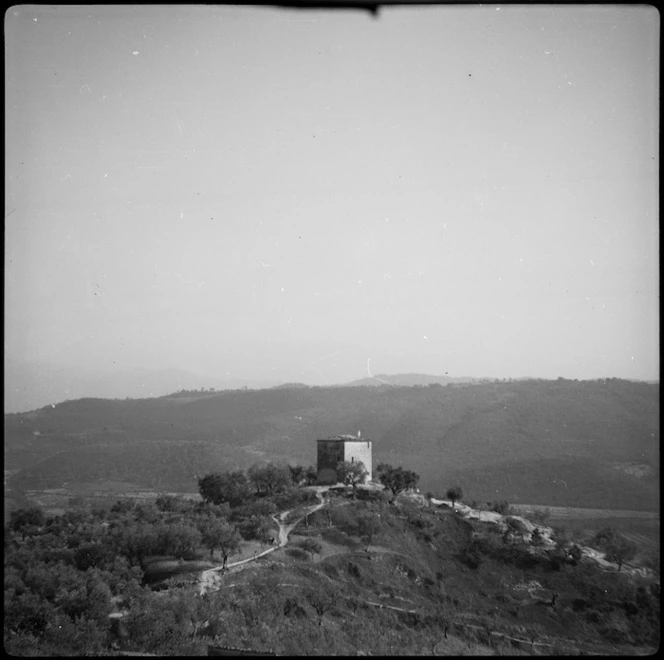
pixel 343 438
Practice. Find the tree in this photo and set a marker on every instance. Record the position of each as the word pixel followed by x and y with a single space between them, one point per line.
pixel 258 528
pixel 269 478
pixel 298 474
pixel 321 599
pixel 167 503
pixel 619 550
pixel 499 506
pixel 605 536
pixel 136 543
pixel 217 533
pixel 277 477
pixel 209 510
pixel 28 613
pixel 25 520
pixel 80 636
pixel 179 540
pixel 536 538
pixel 84 594
pixel 352 474
pixel 91 555
pixel 123 506
pixel 396 479
pixel 218 488
pixel 256 475
pixel 368 525
pixel 455 494
pixel 311 476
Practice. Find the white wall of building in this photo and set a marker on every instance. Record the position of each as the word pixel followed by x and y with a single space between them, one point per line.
pixel 359 451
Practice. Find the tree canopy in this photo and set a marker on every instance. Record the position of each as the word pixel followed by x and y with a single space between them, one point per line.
pixel 396 479
pixel 270 478
pixel 230 487
pixel 455 494
pixel 351 473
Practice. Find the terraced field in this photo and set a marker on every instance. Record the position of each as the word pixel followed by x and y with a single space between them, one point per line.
pixel 642 527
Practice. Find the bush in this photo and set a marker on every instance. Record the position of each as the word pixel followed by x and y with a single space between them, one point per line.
pixel 515 525
pixel 367 495
pixel 293 609
pixel 297 553
pixel 471 558
pixel 26 520
pixel 499 506
pixel 293 497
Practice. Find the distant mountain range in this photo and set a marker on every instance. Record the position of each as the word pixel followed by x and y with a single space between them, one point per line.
pixel 591 444
pixel 31 385
pixel 408 380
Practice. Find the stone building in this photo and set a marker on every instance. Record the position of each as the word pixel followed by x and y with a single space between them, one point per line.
pixel 341 448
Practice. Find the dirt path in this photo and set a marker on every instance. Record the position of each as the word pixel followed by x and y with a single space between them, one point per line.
pixel 210 579
pixel 546 532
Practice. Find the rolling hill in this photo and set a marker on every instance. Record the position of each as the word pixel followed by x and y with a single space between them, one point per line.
pixel 564 443
pixel 410 380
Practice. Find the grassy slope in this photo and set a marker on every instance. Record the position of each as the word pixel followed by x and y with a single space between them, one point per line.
pixel 413 564
pixel 550 442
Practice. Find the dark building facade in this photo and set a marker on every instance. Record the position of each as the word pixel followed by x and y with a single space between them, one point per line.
pixel 341 448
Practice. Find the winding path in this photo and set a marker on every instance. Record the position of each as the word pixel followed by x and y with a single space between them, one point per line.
pixel 210 579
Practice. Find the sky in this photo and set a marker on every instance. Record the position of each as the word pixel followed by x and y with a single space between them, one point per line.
pixel 318 196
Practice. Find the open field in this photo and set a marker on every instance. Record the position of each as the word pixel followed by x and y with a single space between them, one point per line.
pixel 642 527
pixel 563 512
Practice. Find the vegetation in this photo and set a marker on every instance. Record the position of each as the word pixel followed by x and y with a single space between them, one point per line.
pixel 616 547
pixel 352 474
pixel 230 487
pixel 360 575
pixel 364 576
pixel 562 443
pixel 396 479
pixel 454 494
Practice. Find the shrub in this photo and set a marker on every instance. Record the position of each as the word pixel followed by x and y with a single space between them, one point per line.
pixel 515 525
pixel 471 558
pixel 297 553
pixel 293 609
pixel 293 497
pixel 536 539
pixel 499 506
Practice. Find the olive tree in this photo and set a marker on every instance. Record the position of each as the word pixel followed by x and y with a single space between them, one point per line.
pixel 352 474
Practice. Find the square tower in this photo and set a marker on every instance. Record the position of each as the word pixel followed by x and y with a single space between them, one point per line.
pixel 341 448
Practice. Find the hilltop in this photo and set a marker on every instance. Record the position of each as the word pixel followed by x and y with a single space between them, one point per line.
pixel 588 444
pixel 411 380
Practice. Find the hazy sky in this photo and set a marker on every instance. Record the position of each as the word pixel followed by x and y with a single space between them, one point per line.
pixel 305 196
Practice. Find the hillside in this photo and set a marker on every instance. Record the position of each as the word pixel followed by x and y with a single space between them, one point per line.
pixel 30 385
pixel 370 575
pixel 589 444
